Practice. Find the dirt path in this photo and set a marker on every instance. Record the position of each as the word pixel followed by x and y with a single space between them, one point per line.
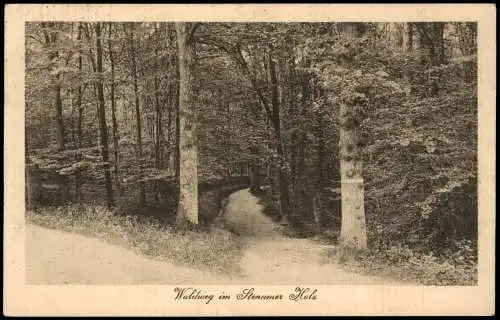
pixel 55 257
pixel 275 259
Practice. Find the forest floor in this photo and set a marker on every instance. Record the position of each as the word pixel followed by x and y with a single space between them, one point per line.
pixel 55 257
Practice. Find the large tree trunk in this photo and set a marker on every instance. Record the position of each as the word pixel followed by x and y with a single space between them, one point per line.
pixel 113 116
pixel 102 119
pixel 353 231
pixel 187 214
pixel 142 194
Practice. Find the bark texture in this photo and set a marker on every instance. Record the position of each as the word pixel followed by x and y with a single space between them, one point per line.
pixel 102 120
pixel 187 213
pixel 353 231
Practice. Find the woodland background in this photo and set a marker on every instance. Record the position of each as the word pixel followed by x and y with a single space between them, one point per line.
pixel 103 126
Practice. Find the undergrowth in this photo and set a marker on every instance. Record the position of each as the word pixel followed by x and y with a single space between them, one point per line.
pixel 457 268
pixel 212 249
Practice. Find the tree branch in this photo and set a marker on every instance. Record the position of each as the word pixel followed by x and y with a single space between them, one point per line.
pixel 193 28
pixel 236 55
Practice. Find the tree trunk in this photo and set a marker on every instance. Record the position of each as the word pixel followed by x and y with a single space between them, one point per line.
pixel 282 169
pixel 53 55
pixel 437 53
pixel 407 36
pixel 255 177
pixel 255 170
pixel 290 84
pixel 467 37
pixel 78 178
pixel 113 116
pixel 177 154
pixel 302 134
pixel 59 114
pixel 353 230
pixel 320 172
pixel 158 109
pixel 171 136
pixel 441 59
pixel 410 36
pixel 102 119
pixel 142 194
pixel 187 214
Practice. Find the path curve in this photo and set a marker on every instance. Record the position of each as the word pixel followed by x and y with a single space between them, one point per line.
pixel 273 258
pixel 56 257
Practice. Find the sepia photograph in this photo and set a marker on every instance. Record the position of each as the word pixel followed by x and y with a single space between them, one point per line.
pixel 251 153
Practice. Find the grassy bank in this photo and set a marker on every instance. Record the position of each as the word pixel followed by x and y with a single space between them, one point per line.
pixel 212 249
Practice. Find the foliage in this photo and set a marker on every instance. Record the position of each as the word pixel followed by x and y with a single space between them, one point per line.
pixel 268 97
pixel 412 266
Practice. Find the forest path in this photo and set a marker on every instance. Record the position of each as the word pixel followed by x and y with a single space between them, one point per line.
pixel 273 258
pixel 56 257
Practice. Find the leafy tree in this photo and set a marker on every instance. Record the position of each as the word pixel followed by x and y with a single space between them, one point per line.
pixel 147 117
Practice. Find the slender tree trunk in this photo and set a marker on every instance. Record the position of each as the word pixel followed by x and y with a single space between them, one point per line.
pixel 102 119
pixel 53 55
pixel 78 175
pixel 441 59
pixel 292 82
pixel 158 126
pixel 282 170
pixel 410 36
pixel 59 113
pixel 172 103
pixel 171 138
pixel 467 36
pixel 320 173
pixel 187 214
pixel 142 194
pixel 227 144
pixel 302 134
pixel 436 52
pixel 113 116
pixel 353 231
pixel 177 157
pixel 255 170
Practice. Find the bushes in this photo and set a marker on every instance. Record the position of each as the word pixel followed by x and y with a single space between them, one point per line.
pixel 269 202
pixel 407 264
